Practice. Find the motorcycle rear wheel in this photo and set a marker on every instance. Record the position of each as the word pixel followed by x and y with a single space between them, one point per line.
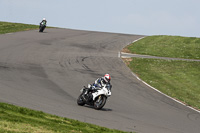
pixel 41 28
pixel 80 101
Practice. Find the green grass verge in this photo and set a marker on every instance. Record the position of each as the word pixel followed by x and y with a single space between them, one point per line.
pixel 14 119
pixel 6 27
pixel 178 79
pixel 168 46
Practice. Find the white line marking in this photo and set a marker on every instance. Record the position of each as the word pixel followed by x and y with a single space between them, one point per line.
pixel 163 93
pixel 138 39
pixel 119 54
pixel 9 33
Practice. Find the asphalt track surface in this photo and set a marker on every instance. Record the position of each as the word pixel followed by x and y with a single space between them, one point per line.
pixel 45 71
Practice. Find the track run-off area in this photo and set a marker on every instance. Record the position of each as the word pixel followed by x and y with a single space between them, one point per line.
pixel 45 72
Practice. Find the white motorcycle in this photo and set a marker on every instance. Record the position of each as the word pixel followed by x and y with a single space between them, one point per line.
pixel 96 97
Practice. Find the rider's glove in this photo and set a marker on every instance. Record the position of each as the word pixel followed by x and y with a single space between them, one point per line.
pixel 93 87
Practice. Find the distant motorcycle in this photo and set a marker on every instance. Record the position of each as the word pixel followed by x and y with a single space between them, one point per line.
pixel 96 98
pixel 42 26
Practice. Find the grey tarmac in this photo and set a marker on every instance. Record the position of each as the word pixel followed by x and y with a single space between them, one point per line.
pixel 45 71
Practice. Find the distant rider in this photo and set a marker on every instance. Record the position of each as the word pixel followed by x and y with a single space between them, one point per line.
pixel 44 22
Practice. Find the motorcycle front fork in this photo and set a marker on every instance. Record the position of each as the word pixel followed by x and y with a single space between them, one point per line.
pixel 99 99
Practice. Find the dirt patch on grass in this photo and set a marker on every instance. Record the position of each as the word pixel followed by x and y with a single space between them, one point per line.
pixel 127 60
pixel 126 50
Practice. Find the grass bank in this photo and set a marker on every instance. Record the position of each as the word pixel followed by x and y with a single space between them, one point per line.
pixel 178 79
pixel 167 46
pixel 14 119
pixel 6 27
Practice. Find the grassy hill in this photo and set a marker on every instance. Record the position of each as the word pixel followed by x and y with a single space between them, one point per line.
pixel 14 119
pixel 6 27
pixel 178 79
pixel 168 46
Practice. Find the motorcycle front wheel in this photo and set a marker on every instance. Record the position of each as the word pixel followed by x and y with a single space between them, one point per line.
pixel 100 102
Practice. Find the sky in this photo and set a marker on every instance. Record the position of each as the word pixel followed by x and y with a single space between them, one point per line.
pixel 142 17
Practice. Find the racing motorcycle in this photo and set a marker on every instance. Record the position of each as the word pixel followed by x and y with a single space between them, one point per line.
pixel 42 27
pixel 94 97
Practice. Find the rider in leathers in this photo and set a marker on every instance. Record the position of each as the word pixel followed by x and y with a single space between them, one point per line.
pixel 44 21
pixel 99 83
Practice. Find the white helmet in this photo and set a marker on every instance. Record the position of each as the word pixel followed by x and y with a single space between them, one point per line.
pixel 44 19
pixel 107 78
